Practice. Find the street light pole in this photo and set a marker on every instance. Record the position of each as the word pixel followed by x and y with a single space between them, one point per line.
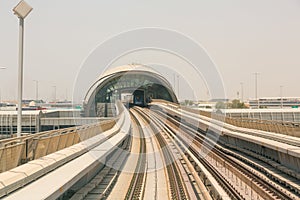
pixel 36 90
pixel 256 97
pixel 21 10
pixel 20 76
pixel 54 93
pixel 281 102
pixel 242 91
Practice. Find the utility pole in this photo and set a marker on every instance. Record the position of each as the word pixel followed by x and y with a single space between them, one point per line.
pixel 242 91
pixel 36 90
pixel 54 93
pixel 256 96
pixel 281 95
pixel 22 9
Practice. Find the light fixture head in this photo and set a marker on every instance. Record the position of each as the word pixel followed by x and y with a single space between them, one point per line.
pixel 22 9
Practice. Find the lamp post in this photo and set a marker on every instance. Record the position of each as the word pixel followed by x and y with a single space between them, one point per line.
pixel 21 10
pixel 67 95
pixel 54 93
pixel 256 98
pixel 36 90
pixel 281 101
pixel 242 91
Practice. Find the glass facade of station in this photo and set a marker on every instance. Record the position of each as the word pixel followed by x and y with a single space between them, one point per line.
pixel 128 83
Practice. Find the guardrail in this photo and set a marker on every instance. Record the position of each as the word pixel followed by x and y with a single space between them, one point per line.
pixel 66 166
pixel 17 151
pixel 70 121
pixel 280 151
pixel 282 127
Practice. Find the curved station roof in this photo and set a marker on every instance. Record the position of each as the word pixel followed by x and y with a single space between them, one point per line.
pixel 121 83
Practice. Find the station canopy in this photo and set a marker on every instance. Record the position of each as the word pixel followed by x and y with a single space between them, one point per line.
pixel 120 84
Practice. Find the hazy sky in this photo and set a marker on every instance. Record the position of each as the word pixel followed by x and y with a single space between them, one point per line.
pixel 241 37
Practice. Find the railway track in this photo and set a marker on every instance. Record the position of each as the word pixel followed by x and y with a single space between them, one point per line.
pixel 191 119
pixel 266 171
pixel 176 186
pixel 284 142
pixel 136 188
pixel 202 194
pixel 262 186
pixel 239 176
pixel 102 183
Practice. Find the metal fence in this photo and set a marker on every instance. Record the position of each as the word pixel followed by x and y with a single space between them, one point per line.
pixel 15 151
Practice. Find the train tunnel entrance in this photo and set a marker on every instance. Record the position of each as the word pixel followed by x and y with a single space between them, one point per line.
pixel 133 85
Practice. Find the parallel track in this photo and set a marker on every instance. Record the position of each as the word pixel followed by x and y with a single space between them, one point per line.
pixel 199 140
pixel 274 136
pixel 177 190
pixel 102 183
pixel 135 190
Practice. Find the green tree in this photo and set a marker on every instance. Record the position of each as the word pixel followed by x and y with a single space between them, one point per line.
pixel 187 103
pixel 236 104
pixel 220 105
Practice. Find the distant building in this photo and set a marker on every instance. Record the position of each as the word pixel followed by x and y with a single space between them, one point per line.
pixel 34 121
pixel 275 114
pixel 275 102
pixel 219 100
pixel 206 105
